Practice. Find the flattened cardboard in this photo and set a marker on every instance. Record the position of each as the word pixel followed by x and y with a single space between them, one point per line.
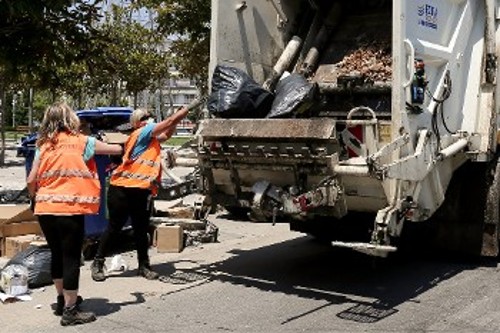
pixel 180 212
pixel 16 213
pixel 115 137
pixel 20 228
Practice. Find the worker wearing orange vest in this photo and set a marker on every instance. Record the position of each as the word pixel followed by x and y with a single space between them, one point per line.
pixel 143 172
pixel 132 185
pixel 64 184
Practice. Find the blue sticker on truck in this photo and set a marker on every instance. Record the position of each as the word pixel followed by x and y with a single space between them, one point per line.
pixel 428 16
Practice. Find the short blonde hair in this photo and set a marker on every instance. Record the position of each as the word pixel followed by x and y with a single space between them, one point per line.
pixel 137 115
pixel 58 117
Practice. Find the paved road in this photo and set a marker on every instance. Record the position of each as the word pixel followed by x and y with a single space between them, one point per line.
pixel 260 278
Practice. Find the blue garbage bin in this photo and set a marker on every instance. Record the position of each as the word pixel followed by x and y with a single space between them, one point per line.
pixel 100 119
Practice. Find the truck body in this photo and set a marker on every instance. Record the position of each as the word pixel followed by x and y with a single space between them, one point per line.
pixel 404 125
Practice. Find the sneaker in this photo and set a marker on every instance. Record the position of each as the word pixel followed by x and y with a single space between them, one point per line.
pixel 97 269
pixel 60 304
pixel 147 273
pixel 73 316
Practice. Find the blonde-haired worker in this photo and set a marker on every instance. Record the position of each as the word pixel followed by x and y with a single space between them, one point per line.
pixel 64 184
pixel 132 185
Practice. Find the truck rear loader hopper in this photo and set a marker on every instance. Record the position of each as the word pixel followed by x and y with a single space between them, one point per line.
pixel 404 126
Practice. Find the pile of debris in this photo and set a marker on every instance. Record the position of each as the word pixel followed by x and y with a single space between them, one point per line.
pixel 180 226
pixel 373 62
pixel 10 196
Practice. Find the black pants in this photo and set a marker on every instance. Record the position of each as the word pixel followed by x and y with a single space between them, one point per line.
pixel 64 235
pixel 125 202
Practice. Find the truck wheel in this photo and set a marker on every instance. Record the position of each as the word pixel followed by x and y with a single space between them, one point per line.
pixel 490 246
pixel 467 222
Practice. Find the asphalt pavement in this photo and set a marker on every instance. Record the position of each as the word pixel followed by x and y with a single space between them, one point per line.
pixel 264 278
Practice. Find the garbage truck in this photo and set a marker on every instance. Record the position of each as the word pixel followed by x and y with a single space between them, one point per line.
pixel 403 125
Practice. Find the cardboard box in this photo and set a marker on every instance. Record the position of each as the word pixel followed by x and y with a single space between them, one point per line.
pixel 16 213
pixel 169 238
pixel 115 137
pixel 20 228
pixel 15 220
pixel 14 245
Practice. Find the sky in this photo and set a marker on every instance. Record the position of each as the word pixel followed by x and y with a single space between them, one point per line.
pixel 141 16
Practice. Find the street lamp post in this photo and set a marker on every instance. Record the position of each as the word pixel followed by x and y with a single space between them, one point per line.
pixel 14 103
pixel 14 109
pixel 30 110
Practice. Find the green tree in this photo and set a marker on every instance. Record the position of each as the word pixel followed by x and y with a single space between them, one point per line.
pixel 37 37
pixel 130 55
pixel 189 22
pixel 75 82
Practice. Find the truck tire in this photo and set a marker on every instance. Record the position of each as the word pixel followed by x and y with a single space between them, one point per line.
pixel 490 246
pixel 467 221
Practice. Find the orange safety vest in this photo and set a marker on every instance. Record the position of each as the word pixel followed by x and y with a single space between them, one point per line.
pixel 66 184
pixel 142 172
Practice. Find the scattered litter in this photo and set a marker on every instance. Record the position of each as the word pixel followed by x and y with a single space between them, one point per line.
pixel 118 264
pixel 14 280
pixel 9 298
pixel 183 277
pixel 197 237
pixel 14 196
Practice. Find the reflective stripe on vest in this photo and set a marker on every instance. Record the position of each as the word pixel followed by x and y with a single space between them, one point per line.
pixel 68 173
pixel 136 176
pixel 66 198
pixel 149 163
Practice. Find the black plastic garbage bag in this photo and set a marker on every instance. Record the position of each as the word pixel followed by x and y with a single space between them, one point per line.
pixel 37 259
pixel 236 95
pixel 294 95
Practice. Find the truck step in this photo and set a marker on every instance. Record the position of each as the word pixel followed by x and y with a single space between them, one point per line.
pixel 367 248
